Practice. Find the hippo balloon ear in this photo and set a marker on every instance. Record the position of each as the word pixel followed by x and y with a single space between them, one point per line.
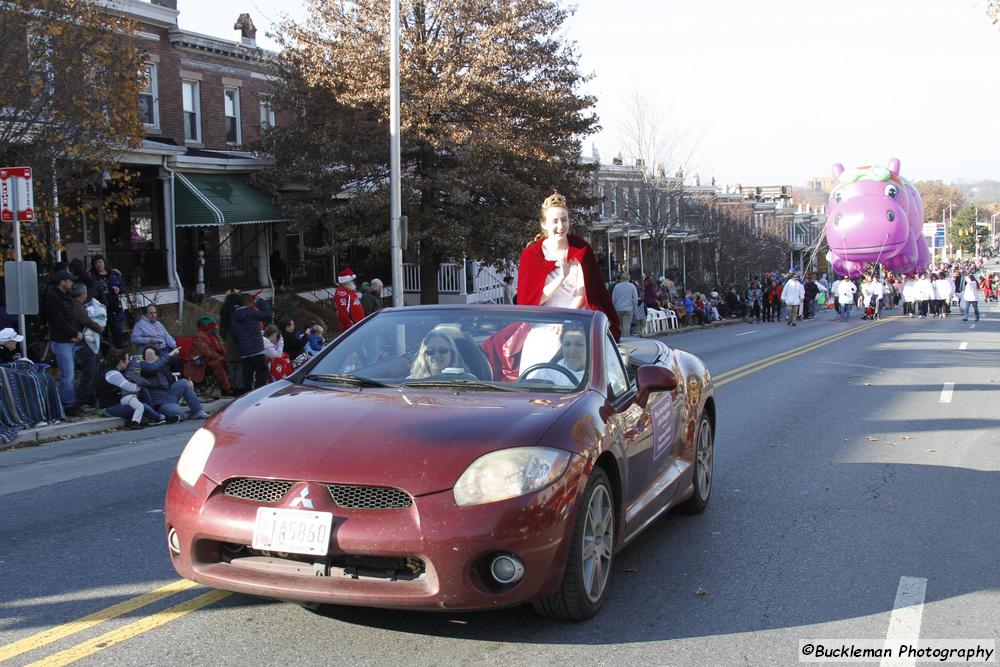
pixel 894 166
pixel 838 169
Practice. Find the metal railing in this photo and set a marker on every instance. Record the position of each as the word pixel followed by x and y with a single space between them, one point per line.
pixel 139 268
pixel 316 272
pixel 221 272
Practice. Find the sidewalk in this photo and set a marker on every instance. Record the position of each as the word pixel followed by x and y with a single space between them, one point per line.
pixel 87 426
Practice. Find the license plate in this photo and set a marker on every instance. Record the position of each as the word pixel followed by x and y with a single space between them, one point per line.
pixel 294 531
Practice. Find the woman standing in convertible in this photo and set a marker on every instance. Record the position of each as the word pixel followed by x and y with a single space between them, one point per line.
pixel 560 270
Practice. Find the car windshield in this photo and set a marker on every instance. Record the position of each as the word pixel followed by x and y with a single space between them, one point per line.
pixel 475 349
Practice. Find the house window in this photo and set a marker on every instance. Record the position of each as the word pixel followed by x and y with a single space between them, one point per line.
pixel 149 109
pixel 266 113
pixel 191 92
pixel 232 104
pixel 600 196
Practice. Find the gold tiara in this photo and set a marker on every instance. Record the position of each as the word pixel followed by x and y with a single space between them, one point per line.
pixel 554 199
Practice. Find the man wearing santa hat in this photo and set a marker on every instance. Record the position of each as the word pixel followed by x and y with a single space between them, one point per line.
pixel 349 309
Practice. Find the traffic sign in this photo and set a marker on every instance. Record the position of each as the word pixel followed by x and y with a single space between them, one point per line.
pixel 16 189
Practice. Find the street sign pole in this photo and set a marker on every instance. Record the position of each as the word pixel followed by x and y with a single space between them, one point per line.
pixel 17 258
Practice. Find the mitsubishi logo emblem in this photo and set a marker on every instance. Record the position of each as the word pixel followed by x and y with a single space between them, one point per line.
pixel 303 499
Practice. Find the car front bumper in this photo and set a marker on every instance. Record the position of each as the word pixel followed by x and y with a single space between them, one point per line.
pixel 454 545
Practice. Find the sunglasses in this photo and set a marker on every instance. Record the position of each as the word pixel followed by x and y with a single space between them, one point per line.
pixel 437 351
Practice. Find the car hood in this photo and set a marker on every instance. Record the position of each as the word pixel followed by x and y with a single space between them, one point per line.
pixel 419 441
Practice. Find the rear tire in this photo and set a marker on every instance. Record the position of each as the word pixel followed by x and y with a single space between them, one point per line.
pixel 704 454
pixel 588 565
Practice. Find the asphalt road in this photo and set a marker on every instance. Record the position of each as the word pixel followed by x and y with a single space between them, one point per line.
pixel 843 482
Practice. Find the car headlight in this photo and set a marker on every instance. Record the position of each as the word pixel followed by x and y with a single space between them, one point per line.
pixel 195 455
pixel 509 473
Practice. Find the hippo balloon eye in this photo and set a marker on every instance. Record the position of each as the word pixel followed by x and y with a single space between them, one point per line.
pixel 891 191
pixel 890 216
pixel 837 197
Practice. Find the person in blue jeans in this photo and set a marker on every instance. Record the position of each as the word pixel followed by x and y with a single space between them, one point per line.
pixel 164 392
pixel 64 334
pixel 970 294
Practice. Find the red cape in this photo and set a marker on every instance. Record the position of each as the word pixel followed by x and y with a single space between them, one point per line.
pixel 534 268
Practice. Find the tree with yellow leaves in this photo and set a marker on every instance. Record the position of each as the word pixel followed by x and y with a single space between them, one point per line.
pixel 492 120
pixel 70 75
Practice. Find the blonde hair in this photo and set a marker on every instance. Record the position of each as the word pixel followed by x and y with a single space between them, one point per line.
pixel 554 200
pixel 421 369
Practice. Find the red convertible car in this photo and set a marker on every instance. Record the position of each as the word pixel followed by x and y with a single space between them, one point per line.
pixel 447 458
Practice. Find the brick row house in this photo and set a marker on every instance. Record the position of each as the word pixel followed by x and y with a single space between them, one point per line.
pixel 206 99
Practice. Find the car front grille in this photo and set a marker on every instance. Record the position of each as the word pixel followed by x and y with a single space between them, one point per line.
pixel 369 497
pixel 261 490
pixel 344 495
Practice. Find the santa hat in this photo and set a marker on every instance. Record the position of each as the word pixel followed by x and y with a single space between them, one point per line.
pixel 345 276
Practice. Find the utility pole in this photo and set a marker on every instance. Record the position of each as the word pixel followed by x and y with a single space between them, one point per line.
pixel 396 204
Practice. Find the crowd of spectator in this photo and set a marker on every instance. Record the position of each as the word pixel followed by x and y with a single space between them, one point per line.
pixel 147 375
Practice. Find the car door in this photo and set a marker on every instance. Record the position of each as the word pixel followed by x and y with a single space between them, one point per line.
pixel 649 437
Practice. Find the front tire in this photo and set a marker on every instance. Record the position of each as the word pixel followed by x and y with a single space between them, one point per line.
pixel 704 455
pixel 588 565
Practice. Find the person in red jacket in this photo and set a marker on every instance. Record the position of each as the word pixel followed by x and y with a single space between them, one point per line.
pixel 560 269
pixel 349 309
pixel 557 270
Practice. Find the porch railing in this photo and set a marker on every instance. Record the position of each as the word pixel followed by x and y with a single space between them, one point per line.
pixel 139 268
pixel 316 272
pixel 224 272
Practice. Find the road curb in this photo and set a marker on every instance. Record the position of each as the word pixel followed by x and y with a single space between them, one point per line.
pixel 30 437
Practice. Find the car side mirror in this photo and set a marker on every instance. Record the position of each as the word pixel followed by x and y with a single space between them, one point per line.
pixel 652 378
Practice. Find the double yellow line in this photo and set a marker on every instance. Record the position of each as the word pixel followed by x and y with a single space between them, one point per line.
pixel 118 635
pixel 761 364
pixel 156 619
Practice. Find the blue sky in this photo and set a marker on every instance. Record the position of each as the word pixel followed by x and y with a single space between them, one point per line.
pixel 776 91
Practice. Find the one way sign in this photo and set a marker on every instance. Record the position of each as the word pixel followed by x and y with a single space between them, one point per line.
pixel 15 188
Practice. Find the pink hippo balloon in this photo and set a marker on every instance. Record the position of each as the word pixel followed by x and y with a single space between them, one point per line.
pixel 875 215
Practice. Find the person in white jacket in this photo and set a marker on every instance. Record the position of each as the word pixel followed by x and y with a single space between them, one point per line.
pixel 274 343
pixel 845 295
pixel 943 291
pixel 128 404
pixel 792 296
pixel 924 293
pixel 909 296
pixel 970 295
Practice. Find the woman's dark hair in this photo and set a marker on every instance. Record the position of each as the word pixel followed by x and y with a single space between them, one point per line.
pixel 284 322
pixel 115 357
pixel 93 264
pixel 150 347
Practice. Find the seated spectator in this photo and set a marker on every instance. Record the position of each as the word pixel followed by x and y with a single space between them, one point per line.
pixel 150 332
pixel 8 346
pixel 164 391
pixel 120 398
pixel 208 352
pixel 437 352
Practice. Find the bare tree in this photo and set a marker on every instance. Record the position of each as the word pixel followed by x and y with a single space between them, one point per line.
pixel 661 156
pixel 736 249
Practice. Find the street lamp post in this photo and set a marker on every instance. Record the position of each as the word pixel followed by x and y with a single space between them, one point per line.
pixel 396 204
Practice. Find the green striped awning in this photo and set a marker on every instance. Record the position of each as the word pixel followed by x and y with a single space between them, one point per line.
pixel 207 200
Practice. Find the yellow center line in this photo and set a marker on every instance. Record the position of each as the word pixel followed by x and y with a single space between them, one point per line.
pixel 126 632
pixel 802 348
pixel 65 630
pixel 743 371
